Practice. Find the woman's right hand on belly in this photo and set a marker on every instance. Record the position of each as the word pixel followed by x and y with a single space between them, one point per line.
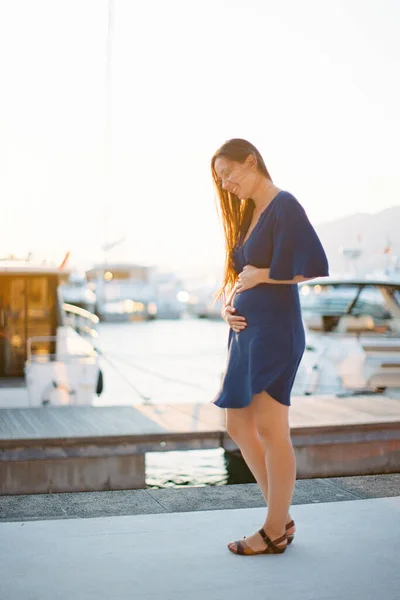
pixel 236 323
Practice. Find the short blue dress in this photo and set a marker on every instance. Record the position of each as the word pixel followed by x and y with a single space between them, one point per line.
pixel 265 355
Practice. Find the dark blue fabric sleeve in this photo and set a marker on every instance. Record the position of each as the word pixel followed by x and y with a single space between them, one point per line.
pixel 297 249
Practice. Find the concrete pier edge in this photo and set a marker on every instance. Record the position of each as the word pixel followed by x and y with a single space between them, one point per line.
pixel 186 499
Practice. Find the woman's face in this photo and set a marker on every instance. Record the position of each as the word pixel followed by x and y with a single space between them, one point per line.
pixel 237 178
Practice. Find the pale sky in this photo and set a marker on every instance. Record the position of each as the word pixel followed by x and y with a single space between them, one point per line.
pixel 313 84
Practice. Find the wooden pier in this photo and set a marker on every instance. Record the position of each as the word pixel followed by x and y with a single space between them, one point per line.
pixel 69 449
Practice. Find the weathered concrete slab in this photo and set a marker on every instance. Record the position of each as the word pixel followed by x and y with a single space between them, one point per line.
pixel 243 496
pixel 134 502
pixel 373 486
pixel 31 507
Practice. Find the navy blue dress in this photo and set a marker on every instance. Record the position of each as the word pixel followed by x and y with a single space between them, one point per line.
pixel 265 355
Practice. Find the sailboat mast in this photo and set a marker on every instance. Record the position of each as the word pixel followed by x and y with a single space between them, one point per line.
pixel 108 127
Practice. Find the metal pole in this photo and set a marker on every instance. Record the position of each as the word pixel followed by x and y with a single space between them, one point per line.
pixel 108 127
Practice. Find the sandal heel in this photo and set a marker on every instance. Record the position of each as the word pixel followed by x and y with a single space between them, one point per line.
pixel 290 537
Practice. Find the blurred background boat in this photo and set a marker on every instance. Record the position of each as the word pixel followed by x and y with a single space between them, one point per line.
pixel 202 304
pixel 124 292
pixel 129 292
pixel 353 334
pixel 46 349
pixel 170 296
pixel 77 291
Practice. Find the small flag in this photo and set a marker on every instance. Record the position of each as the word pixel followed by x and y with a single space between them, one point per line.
pixel 65 260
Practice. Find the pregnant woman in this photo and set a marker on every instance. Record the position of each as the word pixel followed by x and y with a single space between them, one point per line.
pixel 271 246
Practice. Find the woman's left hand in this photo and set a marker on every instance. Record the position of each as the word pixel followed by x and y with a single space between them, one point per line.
pixel 248 278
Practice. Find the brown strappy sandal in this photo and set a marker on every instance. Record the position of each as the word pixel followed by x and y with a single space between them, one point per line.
pixel 272 548
pixel 290 537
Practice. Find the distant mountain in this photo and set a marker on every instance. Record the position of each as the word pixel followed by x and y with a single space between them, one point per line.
pixel 372 233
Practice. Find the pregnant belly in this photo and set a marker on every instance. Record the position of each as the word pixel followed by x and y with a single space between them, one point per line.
pixel 268 302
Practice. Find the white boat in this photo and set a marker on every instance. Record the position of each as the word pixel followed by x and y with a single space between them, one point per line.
pixel 124 291
pixel 169 295
pixel 202 304
pixel 353 335
pixel 46 356
pixel 75 290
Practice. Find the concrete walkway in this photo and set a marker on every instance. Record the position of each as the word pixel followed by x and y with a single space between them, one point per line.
pixel 346 550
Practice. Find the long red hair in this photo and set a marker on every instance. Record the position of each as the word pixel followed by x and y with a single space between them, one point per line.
pixel 235 214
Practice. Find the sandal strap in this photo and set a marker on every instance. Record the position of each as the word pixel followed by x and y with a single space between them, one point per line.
pixel 269 542
pixel 240 547
pixel 290 525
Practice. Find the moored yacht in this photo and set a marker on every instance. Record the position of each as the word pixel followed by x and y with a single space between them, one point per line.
pixel 46 354
pixel 170 296
pixel 353 335
pixel 75 290
pixel 124 292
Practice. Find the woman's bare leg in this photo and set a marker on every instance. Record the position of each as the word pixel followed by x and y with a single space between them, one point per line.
pixel 271 421
pixel 241 426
